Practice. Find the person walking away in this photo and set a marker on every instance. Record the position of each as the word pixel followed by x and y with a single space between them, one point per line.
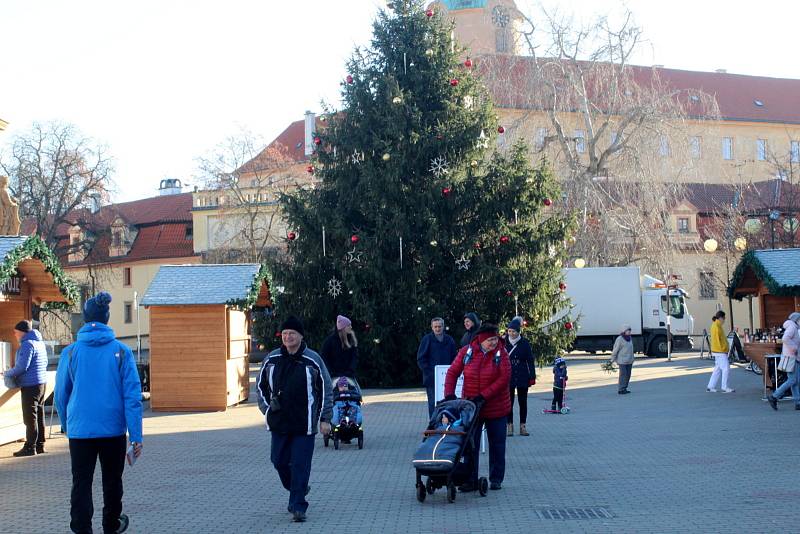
pixel 523 373
pixel 790 346
pixel 471 325
pixel 30 374
pixel 622 354
pixel 436 348
pixel 295 396
pixel 559 383
pixel 719 348
pixel 98 397
pixel 340 349
pixel 487 373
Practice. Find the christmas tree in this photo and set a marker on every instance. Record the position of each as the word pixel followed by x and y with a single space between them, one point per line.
pixel 421 211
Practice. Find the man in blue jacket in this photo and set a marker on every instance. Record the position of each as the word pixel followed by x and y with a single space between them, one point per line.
pixel 30 373
pixel 99 398
pixel 436 348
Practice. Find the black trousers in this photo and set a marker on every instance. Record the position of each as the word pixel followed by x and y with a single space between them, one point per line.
pixel 522 394
pixel 33 414
pixel 84 454
pixel 558 398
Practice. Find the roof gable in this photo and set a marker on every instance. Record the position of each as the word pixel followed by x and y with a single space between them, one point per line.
pixel 777 269
pixel 31 257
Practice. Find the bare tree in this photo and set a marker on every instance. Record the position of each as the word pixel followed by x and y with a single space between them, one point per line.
pixel 244 179
pixel 55 170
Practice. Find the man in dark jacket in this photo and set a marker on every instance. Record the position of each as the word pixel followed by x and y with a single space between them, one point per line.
pixel 30 374
pixel 294 394
pixel 436 348
pixel 471 325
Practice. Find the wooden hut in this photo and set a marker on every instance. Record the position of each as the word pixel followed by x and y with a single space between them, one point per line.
pixel 774 277
pixel 30 275
pixel 199 339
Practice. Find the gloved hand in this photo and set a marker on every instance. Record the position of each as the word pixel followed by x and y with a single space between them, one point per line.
pixel 450 397
pixel 477 399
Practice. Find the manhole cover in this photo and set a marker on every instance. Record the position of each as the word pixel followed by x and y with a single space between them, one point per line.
pixel 597 512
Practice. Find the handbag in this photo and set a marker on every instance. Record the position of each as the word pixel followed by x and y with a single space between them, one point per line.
pixel 787 363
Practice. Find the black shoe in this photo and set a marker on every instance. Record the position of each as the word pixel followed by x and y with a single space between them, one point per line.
pixel 797 406
pixel 621 392
pixel 773 402
pixel 299 517
pixel 495 486
pixel 40 449
pixel 25 451
pixel 124 521
pixel 468 487
pixel 625 391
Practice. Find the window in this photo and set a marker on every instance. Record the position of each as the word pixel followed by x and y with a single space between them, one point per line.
pixel 616 137
pixel 189 232
pixel 795 151
pixel 708 291
pixel 126 276
pixel 663 146
pixel 128 312
pixel 501 40
pixel 541 136
pixel 675 306
pixel 727 148
pixel 580 141
pixel 683 225
pixel 694 147
pixel 117 238
pixel 761 149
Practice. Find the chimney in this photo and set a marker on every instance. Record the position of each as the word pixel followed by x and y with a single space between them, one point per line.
pixel 721 71
pixel 311 127
pixel 170 186
pixel 95 202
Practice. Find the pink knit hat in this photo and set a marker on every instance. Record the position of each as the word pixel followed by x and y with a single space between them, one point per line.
pixel 342 322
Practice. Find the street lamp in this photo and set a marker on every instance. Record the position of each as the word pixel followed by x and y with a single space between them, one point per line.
pixel 580 263
pixel 740 244
pixel 774 215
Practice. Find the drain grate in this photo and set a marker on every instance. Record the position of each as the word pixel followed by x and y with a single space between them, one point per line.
pixel 561 514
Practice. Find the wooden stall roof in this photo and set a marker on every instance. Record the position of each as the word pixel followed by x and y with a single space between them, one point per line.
pixel 778 271
pixel 30 257
pixel 239 285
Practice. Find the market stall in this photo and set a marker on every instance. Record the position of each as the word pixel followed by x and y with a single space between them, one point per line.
pixel 199 334
pixel 30 275
pixel 774 277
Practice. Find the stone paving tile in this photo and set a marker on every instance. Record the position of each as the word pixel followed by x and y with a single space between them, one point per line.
pixel 667 458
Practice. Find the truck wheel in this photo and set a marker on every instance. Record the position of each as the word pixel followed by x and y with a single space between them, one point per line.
pixel 658 347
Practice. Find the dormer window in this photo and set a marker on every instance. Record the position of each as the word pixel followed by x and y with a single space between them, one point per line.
pixel 77 251
pixel 758 103
pixel 122 236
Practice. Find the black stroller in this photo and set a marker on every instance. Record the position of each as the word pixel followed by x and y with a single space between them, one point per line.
pixel 440 456
pixel 349 425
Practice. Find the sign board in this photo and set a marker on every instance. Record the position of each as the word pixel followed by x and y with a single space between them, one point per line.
pixel 13 286
pixel 735 349
pixel 439 375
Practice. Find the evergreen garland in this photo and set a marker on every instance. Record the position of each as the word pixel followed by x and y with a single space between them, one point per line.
pixel 244 304
pixel 750 260
pixel 35 247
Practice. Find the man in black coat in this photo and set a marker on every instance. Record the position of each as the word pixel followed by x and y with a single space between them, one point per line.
pixel 436 348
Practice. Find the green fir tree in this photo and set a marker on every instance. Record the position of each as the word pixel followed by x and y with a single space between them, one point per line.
pixel 419 213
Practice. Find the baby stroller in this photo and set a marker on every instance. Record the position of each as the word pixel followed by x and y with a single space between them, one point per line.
pixel 347 422
pixel 440 456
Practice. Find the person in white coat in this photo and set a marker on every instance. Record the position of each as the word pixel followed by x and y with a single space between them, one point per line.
pixel 622 354
pixel 791 343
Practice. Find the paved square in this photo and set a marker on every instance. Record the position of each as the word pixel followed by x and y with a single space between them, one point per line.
pixel 667 458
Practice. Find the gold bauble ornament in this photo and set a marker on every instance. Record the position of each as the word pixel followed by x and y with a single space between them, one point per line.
pixel 386 157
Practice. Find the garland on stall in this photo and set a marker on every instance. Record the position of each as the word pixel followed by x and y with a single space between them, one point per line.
pixel 34 247
pixel 750 260
pixel 263 275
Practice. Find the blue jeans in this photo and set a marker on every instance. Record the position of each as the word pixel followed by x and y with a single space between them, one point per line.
pixel 291 455
pixel 496 438
pixel 792 381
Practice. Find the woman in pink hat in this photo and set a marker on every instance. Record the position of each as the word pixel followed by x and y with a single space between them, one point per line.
pixel 340 349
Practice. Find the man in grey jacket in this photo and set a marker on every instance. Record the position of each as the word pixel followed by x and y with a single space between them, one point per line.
pixel 623 355
pixel 295 396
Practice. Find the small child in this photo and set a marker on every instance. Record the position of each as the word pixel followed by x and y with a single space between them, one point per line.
pixel 559 383
pixel 448 421
pixel 344 407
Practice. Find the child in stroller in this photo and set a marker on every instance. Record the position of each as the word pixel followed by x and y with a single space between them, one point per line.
pixel 440 456
pixel 347 419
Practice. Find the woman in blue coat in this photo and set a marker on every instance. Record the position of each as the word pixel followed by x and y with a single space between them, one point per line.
pixel 523 373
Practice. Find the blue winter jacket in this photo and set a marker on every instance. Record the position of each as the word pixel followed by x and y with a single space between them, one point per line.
pixel 432 352
pixel 30 368
pixel 98 393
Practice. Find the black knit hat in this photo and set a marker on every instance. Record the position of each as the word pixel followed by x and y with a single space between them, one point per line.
pixel 24 326
pixel 293 323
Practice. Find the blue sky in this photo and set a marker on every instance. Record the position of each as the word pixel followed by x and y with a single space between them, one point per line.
pixel 161 82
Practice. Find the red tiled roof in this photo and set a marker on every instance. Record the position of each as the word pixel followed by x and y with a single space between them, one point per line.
pixel 292 142
pixel 509 81
pixel 753 197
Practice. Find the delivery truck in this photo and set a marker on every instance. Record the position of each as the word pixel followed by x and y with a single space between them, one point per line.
pixel 606 298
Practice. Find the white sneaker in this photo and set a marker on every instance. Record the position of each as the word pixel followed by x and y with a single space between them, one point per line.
pixel 728 390
pixel 711 390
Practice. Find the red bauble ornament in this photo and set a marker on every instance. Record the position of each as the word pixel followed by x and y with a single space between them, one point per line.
pixel 547 202
pixel 354 239
pixel 568 325
pixel 468 63
pixel 277 334
pixel 501 130
pixel 477 245
pixel 429 13
pixel 317 141
pixel 349 79
pixel 310 169
pixel 292 236
pixel 525 322
pixel 562 286
pixel 505 239
pixel 454 82
pixel 446 191
pixel 509 293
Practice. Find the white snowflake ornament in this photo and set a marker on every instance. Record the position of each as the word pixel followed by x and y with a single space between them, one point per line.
pixel 334 287
pixel 439 166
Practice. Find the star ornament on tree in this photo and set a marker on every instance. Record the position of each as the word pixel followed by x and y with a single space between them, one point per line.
pixel 334 287
pixel 357 157
pixel 354 257
pixel 483 141
pixel 463 263
pixel 439 166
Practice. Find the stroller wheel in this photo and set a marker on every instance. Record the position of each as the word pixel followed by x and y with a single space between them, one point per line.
pixel 429 486
pixel 483 486
pixel 360 442
pixel 421 493
pixel 451 492
pixel 565 410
